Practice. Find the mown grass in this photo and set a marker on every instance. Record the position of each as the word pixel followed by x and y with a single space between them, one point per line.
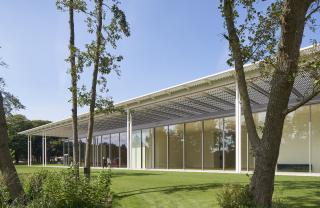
pixel 183 189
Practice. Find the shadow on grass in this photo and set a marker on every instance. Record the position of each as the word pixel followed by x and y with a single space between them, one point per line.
pixel 307 193
pixel 169 189
pixel 121 174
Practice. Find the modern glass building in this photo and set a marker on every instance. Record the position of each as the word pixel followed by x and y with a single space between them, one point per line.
pixel 197 125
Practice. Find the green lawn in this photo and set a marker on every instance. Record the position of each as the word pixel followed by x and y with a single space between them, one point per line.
pixel 181 189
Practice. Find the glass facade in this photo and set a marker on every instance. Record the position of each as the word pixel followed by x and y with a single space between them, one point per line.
pixel 193 145
pixel 161 147
pixel 114 150
pixel 123 149
pixel 212 144
pixel 294 148
pixel 136 156
pixel 176 146
pixel 209 144
pixel 315 138
pixel 147 148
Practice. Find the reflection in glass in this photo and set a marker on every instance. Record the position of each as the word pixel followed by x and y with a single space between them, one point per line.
pixel 229 143
pixel 176 146
pixel 193 145
pixel 123 149
pixel 212 144
pixel 294 148
pixel 82 150
pixel 160 147
pixel 147 144
pixel 114 150
pixel 105 149
pixel 136 149
pixel 315 135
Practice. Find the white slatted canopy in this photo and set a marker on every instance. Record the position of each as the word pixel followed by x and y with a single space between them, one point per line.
pixel 207 97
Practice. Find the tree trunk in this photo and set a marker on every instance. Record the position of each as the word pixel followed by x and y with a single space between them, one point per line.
pixel 74 90
pixel 93 90
pixel 7 168
pixel 266 149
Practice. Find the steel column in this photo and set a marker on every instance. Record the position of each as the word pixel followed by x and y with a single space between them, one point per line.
pixel 129 129
pixel 42 149
pixel 238 129
pixel 28 150
pixel 45 149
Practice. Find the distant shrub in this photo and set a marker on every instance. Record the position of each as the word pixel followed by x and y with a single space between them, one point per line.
pixel 238 196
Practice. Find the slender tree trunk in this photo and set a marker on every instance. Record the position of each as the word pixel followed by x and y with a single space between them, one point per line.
pixel 266 149
pixel 7 168
pixel 88 158
pixel 74 90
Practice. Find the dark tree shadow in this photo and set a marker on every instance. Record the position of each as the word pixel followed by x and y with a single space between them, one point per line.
pixel 168 189
pixel 308 193
pixel 129 173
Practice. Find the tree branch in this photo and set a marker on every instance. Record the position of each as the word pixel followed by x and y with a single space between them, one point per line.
pixel 313 11
pixel 303 101
pixel 235 46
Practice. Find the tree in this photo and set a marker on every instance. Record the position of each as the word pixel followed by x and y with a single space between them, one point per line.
pixel 18 143
pixel 274 35
pixel 7 103
pixel 77 5
pixel 103 62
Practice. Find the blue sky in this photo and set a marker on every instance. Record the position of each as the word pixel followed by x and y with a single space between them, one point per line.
pixel 172 41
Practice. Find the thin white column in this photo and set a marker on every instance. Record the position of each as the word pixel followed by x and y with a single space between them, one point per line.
pixel 45 149
pixel 129 129
pixel 238 129
pixel 28 150
pixel 310 137
pixel 42 149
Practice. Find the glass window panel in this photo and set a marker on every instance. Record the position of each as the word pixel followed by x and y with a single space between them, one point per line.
pixel 315 135
pixel 97 151
pixel 114 150
pixel 123 149
pixel 212 144
pixel 160 147
pixel 193 145
pixel 105 142
pixel 82 149
pixel 136 149
pixel 229 144
pixel 147 143
pixel 294 148
pixel 176 146
pixel 247 156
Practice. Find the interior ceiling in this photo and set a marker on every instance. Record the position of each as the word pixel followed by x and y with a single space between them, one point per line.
pixel 213 101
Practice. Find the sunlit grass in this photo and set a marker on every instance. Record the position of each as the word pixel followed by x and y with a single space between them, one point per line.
pixel 183 189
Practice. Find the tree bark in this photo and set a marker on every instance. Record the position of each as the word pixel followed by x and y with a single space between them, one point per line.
pixel 266 149
pixel 94 89
pixel 292 28
pixel 7 168
pixel 74 90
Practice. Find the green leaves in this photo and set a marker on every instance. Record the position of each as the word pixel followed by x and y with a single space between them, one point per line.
pixel 77 5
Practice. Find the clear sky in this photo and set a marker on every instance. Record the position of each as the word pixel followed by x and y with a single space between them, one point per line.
pixel 172 41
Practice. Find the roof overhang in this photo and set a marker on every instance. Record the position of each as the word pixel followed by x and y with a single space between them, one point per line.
pixel 207 97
